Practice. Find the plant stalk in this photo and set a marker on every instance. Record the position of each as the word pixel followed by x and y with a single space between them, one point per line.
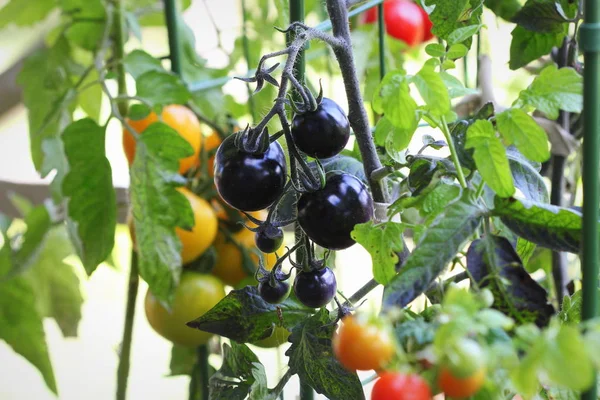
pixel 173 33
pixel 125 354
pixel 199 380
pixel 453 154
pixel 246 47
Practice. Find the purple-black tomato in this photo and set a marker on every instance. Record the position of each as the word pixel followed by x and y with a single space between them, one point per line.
pixel 246 181
pixel 328 215
pixel 269 242
pixel 274 294
pixel 315 288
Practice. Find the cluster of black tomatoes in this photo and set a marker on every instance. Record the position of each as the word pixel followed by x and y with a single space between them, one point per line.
pixel 251 182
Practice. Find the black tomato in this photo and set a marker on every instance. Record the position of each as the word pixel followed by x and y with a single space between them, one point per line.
pixel 315 288
pixel 273 294
pixel 328 215
pixel 322 133
pixel 249 182
pixel 269 242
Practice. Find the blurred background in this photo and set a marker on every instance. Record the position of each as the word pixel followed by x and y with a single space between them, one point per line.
pixel 85 366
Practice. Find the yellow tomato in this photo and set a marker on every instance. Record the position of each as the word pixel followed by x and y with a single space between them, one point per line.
pixel 195 295
pixel 196 241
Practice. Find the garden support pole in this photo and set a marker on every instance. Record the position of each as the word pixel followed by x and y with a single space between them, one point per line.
pixel 590 45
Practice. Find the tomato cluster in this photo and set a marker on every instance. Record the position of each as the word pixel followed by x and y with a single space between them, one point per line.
pixel 404 20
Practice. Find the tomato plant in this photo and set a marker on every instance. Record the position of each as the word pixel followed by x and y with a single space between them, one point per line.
pixel 464 200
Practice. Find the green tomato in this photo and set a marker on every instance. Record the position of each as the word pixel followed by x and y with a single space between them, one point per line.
pixel 464 358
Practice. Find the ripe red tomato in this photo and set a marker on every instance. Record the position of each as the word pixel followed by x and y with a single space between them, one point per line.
pixel 427 25
pixel 404 21
pixel 398 386
pixel 369 16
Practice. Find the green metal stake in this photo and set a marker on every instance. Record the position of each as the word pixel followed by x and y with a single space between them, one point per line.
pixel 381 34
pixel 590 45
pixel 246 46
pixel 173 33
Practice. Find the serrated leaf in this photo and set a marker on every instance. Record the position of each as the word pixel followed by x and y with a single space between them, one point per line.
pixel 21 326
pixel 245 317
pixel 311 357
pixel 383 242
pixel 570 312
pixel 161 88
pixel 462 34
pixel 158 207
pixel 56 283
pixel 549 226
pixel 540 16
pixel 493 263
pixel 455 87
pixel 393 99
pixel 450 15
pixel 433 90
pixel 435 50
pixel 525 250
pixel 490 157
pixel 520 129
pixel 527 46
pixel 92 200
pixel 526 177
pixel 138 62
pixel 236 377
pixel 13 12
pixel 554 90
pixel 437 246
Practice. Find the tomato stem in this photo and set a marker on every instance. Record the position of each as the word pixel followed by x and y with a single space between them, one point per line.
pixel 459 172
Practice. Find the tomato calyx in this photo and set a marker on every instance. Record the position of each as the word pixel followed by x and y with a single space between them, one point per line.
pixel 252 141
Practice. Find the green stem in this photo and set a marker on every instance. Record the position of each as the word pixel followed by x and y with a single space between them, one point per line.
pixel 173 33
pixel 199 379
pixel 453 153
pixel 132 290
pixel 306 392
pixel 381 37
pixel 246 47
pixel 119 52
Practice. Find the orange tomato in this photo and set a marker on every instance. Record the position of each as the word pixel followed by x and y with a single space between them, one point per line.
pixel 177 117
pixel 460 388
pixel 229 267
pixel 211 143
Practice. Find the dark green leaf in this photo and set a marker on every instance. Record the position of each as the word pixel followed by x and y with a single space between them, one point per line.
pixel 549 226
pixel 493 263
pixel 347 164
pixel 540 16
pixel 490 157
pixel 244 316
pixel 505 9
pixel 383 242
pixel 450 15
pixel 88 22
pixel 56 283
pixel 182 361
pixel 236 379
pixel 158 207
pixel 520 129
pixel 14 12
pixel 433 90
pixel 139 62
pixel 138 111
pixel 526 177
pixel 437 246
pixel 21 326
pixel 527 46
pixel 554 90
pixel 92 200
pixel 161 88
pixel 38 223
pixel 312 359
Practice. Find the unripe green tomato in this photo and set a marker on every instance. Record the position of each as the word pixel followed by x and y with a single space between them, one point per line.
pixel 464 358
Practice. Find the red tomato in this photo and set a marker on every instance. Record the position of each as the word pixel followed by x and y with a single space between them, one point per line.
pixel 427 25
pixel 404 21
pixel 369 16
pixel 397 386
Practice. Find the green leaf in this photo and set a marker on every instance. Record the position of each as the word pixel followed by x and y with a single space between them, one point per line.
pixel 520 129
pixel 455 86
pixel 494 264
pixel 433 90
pixel 570 312
pixel 592 341
pixel 139 62
pixel 525 250
pixel 14 12
pixel 182 361
pixel 92 200
pixel 527 46
pixel 462 34
pixel 46 91
pixel 347 164
pixel 549 226
pixel 540 16
pixel 437 246
pixel 451 15
pixel 435 50
pixel 383 242
pixel 457 51
pixel 526 177
pixel 90 99
pixel 161 88
pixel 505 9
pixel 236 379
pixel 88 22
pixel 393 99
pixel 244 316
pixel 311 357
pixel 554 90
pixel 56 284
pixel 387 134
pixel 21 326
pixel 490 157
pixel 158 207
pixel 38 224
pixel 566 360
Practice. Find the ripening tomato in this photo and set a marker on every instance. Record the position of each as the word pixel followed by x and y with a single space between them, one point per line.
pixel 427 25
pixel 404 21
pixel 398 386
pixel 460 388
pixel 362 345
pixel 177 117
pixel 229 267
pixel 195 295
